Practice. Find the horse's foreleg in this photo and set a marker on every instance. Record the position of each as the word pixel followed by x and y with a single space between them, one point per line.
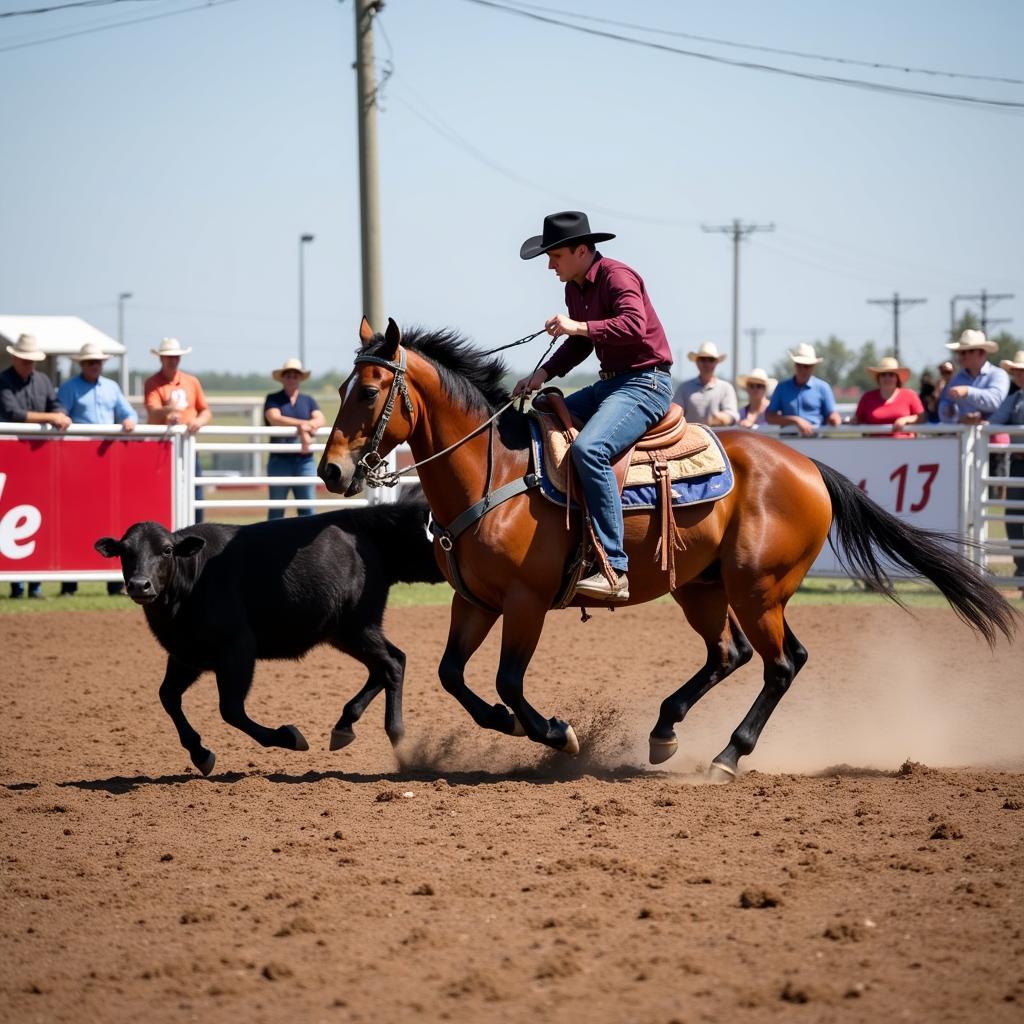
pixel 177 679
pixel 386 665
pixel 234 677
pixel 707 610
pixel 468 630
pixel 783 657
pixel 524 621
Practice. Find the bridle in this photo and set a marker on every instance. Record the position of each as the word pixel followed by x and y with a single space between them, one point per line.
pixel 371 466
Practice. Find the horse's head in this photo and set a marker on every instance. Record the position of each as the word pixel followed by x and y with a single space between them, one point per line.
pixel 375 414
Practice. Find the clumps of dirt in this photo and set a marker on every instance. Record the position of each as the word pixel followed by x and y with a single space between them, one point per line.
pixel 385 796
pixel 297 926
pixel 794 993
pixel 759 899
pixel 424 889
pixel 909 768
pixel 845 931
pixel 1009 804
pixel 276 971
pixel 944 830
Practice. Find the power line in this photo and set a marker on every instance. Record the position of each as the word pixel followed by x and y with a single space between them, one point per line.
pixel 118 24
pixel 984 298
pixel 64 7
pixel 1004 106
pixel 877 65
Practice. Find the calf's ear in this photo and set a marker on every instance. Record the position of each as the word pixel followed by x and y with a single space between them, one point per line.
pixel 188 547
pixel 108 547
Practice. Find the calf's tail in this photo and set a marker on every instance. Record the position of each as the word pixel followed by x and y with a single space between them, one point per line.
pixel 869 536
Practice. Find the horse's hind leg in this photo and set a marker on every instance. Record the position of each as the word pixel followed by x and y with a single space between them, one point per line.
pixel 707 610
pixel 386 665
pixel 177 679
pixel 468 630
pixel 783 657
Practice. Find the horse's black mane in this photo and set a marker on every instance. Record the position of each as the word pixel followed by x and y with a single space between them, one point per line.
pixel 471 378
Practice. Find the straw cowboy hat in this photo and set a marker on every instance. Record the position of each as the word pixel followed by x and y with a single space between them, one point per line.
pixel 758 376
pixel 26 347
pixel 707 350
pixel 805 355
pixel 972 339
pixel 887 364
pixel 291 364
pixel 569 228
pixel 170 347
pixel 90 350
pixel 1016 363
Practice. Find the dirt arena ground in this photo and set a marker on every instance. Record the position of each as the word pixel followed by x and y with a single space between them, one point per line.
pixel 483 879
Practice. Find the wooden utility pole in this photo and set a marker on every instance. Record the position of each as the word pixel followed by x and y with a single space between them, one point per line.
pixel 369 198
pixel 896 303
pixel 738 231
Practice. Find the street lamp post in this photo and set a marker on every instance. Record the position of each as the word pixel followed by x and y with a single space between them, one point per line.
pixel 304 240
pixel 121 300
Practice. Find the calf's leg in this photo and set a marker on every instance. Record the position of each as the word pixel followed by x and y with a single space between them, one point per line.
pixel 177 679
pixel 386 665
pixel 234 677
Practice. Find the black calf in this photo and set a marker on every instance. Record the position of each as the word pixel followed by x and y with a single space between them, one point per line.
pixel 219 598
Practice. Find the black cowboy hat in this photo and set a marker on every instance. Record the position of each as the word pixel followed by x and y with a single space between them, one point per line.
pixel 569 228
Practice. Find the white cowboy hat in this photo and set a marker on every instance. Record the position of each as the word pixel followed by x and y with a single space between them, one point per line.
pixel 972 339
pixel 805 355
pixel 90 350
pixel 26 347
pixel 1016 363
pixel 758 376
pixel 887 364
pixel 707 350
pixel 170 347
pixel 291 364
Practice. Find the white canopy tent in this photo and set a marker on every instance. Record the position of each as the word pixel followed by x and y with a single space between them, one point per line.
pixel 59 336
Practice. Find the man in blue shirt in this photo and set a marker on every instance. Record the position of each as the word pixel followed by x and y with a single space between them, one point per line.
pixel 289 408
pixel 90 398
pixel 804 401
pixel 978 388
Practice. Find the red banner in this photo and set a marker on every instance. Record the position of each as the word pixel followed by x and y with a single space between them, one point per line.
pixel 57 496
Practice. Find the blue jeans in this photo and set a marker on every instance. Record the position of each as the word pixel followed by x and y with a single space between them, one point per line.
pixel 616 413
pixel 291 465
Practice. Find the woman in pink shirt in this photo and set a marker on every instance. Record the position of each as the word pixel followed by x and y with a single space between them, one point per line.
pixel 890 404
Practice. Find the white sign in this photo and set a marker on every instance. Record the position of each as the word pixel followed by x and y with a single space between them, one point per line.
pixel 16 526
pixel 917 479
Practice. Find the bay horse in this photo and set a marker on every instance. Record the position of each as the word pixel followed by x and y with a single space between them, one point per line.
pixel 743 557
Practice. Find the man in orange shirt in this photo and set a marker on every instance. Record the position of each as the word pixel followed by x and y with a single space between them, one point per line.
pixel 174 397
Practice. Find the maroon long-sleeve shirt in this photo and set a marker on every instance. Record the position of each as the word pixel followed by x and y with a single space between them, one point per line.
pixel 622 326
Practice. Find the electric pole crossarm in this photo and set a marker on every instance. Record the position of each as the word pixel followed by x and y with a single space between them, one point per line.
pixel 896 303
pixel 738 231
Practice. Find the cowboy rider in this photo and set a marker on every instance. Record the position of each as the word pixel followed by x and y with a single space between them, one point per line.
pixel 610 313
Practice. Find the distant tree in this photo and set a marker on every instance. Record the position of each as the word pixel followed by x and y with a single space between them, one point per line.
pixel 1009 346
pixel 857 375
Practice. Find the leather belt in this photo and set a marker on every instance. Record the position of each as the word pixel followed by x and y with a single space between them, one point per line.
pixel 609 374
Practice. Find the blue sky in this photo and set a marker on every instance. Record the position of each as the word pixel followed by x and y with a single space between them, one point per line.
pixel 180 159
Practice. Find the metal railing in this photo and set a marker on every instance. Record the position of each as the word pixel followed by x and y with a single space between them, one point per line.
pixel 998 472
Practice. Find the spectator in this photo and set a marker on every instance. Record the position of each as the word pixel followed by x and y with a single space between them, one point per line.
pixel 288 408
pixel 1011 410
pixel 27 396
pixel 803 401
pixel 928 392
pixel 173 397
pixel 705 398
pixel 759 388
pixel 90 398
pixel 890 403
pixel 978 388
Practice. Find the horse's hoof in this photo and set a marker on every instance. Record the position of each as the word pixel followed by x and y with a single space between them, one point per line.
pixel 719 772
pixel 662 750
pixel 207 763
pixel 396 738
pixel 571 745
pixel 298 739
pixel 342 738
pixel 517 727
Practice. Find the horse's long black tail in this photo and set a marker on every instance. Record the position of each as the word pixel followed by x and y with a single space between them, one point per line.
pixel 866 531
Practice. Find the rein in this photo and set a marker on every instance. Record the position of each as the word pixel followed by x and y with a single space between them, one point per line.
pixel 370 465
